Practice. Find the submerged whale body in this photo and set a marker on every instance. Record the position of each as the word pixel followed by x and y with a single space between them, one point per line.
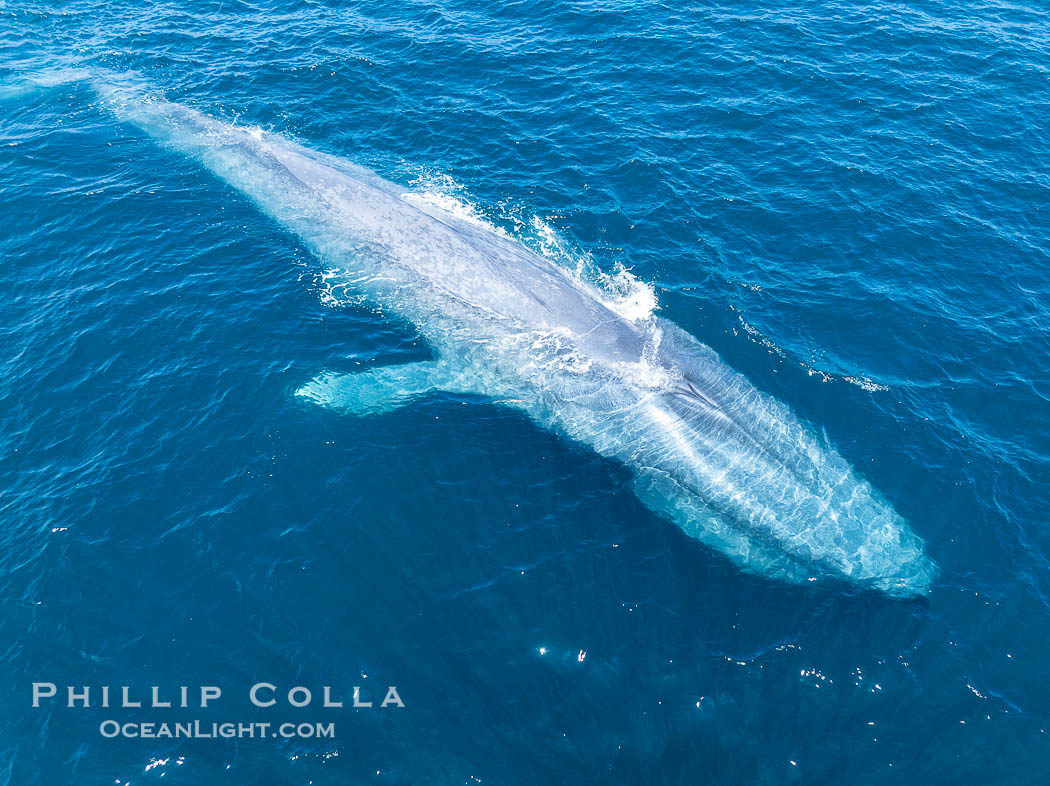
pixel 733 467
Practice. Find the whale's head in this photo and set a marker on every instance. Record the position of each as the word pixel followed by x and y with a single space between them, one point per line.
pixel 892 558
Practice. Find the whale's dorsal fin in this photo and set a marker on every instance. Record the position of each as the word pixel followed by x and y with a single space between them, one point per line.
pixel 380 390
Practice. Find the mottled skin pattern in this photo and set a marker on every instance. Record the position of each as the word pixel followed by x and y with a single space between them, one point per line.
pixel 730 465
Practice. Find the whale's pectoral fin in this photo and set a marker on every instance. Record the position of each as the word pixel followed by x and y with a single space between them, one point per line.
pixel 378 390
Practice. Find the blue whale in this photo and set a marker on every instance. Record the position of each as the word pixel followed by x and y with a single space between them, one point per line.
pixel 730 465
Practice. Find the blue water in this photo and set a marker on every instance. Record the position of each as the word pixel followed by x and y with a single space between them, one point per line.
pixel 849 204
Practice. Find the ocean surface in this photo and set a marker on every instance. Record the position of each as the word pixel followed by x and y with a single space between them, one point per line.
pixel 850 204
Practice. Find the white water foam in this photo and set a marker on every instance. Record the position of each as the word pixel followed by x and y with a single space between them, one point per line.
pixel 620 290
